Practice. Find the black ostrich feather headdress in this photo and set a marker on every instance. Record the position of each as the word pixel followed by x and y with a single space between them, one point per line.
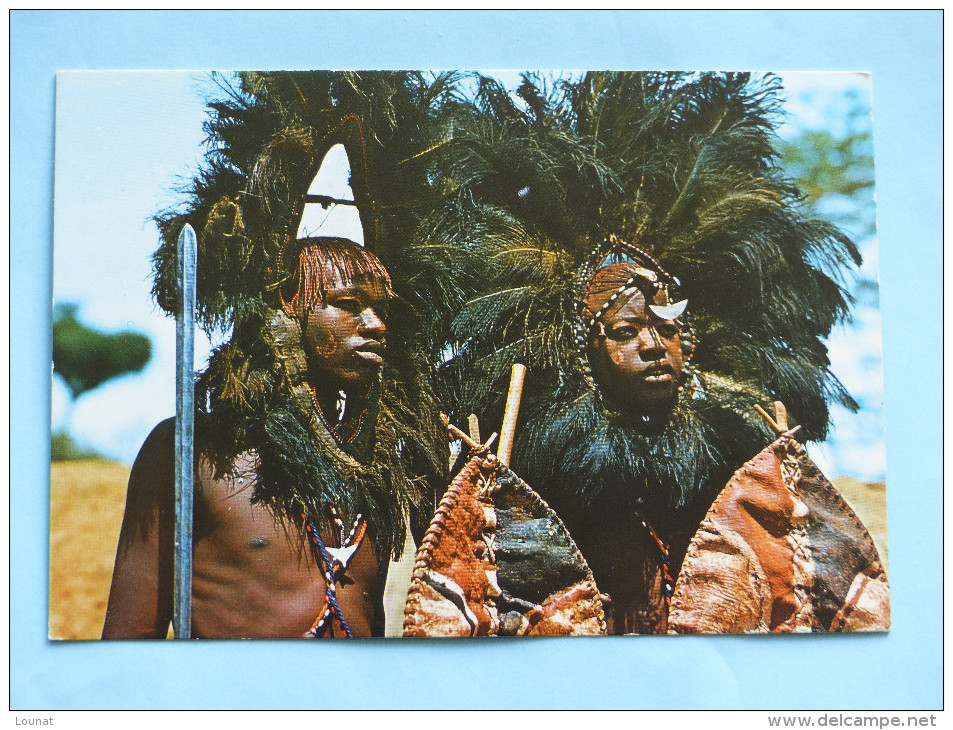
pixel 543 187
pixel 266 139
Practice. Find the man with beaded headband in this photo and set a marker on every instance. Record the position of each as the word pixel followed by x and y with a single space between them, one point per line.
pixel 632 338
pixel 623 200
pixel 635 348
pixel 778 550
pixel 634 352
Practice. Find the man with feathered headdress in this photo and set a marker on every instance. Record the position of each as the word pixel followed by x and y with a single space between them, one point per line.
pixel 254 576
pixel 317 438
pixel 631 239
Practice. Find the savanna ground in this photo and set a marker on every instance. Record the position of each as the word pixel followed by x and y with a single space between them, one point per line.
pixel 86 506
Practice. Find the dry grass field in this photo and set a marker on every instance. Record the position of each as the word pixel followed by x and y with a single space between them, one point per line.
pixel 86 505
pixel 869 501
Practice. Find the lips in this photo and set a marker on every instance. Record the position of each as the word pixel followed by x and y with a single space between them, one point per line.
pixel 658 374
pixel 372 351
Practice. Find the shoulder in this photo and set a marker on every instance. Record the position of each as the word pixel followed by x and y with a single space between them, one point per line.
pixel 215 470
pixel 157 453
pixel 159 447
pixel 151 482
pixel 154 467
pixel 160 441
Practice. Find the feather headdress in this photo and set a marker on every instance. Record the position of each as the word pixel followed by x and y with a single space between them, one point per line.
pixel 539 192
pixel 266 139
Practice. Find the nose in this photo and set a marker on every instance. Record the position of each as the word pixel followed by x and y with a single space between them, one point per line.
pixel 371 325
pixel 651 347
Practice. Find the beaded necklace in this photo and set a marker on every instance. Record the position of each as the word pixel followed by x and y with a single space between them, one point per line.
pixel 336 431
pixel 668 582
pixel 333 562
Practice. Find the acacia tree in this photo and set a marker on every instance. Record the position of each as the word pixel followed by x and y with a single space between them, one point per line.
pixel 86 358
pixel 834 167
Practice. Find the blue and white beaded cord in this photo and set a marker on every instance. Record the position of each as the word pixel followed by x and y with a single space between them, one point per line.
pixel 333 563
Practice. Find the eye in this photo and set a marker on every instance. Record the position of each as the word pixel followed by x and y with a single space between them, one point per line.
pixel 666 329
pixel 622 332
pixel 349 304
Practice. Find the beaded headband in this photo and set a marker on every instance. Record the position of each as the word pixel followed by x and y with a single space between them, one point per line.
pixel 649 270
pixel 663 311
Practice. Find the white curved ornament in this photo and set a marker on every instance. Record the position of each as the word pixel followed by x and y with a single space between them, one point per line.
pixel 669 311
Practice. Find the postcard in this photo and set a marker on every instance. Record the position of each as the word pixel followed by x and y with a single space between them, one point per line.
pixel 465 354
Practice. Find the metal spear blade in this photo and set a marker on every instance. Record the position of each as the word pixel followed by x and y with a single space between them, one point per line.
pixel 184 431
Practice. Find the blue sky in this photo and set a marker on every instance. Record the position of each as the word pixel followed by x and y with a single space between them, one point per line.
pixel 124 140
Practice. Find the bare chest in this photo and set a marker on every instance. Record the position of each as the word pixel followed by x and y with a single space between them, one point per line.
pixel 254 574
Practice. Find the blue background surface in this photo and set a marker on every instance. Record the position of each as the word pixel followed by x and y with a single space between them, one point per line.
pixel 900 670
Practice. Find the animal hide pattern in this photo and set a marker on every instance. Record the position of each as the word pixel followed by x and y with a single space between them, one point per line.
pixel 778 551
pixel 496 561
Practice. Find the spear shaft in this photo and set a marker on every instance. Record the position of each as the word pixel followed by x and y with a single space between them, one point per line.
pixel 184 432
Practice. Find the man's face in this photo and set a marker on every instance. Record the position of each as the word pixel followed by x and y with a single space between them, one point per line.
pixel 344 340
pixel 639 360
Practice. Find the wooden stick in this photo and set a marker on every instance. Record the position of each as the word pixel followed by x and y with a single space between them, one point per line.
pixel 509 415
pixel 474 424
pixel 781 415
pixel 457 433
pixel 771 422
pixel 791 431
pixel 463 437
pixel 780 425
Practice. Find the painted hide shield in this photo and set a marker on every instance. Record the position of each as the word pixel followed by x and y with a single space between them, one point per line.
pixel 497 561
pixel 780 551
